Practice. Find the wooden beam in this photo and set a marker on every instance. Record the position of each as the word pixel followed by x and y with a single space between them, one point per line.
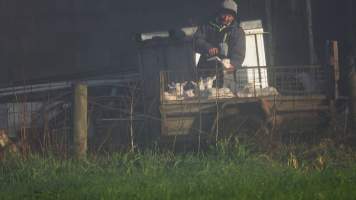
pixel 268 8
pixel 309 13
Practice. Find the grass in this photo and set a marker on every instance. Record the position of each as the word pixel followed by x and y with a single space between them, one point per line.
pixel 222 173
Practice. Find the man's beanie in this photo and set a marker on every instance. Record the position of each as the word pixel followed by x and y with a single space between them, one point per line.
pixel 229 5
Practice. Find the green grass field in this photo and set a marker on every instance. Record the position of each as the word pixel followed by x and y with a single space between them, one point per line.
pixel 220 174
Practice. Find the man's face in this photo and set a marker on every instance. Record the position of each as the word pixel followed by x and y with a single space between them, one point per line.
pixel 226 18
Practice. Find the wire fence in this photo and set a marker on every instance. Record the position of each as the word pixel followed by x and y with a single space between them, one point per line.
pixel 116 117
pixel 37 117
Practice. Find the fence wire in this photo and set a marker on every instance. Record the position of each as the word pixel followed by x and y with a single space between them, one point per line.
pixel 37 117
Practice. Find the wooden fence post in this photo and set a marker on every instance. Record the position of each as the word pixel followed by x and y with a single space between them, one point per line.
pixel 335 78
pixel 353 100
pixel 80 121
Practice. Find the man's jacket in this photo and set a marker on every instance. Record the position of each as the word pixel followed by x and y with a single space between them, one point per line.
pixel 211 34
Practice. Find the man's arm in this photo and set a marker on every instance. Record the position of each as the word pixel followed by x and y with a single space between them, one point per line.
pixel 201 45
pixel 238 48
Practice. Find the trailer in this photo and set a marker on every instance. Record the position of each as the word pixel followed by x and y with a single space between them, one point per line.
pixel 296 99
pixel 264 99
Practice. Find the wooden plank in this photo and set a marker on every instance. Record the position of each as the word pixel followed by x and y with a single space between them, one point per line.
pixel 192 106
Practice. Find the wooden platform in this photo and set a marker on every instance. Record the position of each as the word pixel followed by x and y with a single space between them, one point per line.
pixel 197 116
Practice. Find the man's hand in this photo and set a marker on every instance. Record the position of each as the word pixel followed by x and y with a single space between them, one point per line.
pixel 227 65
pixel 213 51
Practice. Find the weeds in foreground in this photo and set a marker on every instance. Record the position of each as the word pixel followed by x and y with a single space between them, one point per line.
pixel 227 171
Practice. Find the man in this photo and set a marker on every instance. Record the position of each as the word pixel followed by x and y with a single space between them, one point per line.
pixel 224 38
